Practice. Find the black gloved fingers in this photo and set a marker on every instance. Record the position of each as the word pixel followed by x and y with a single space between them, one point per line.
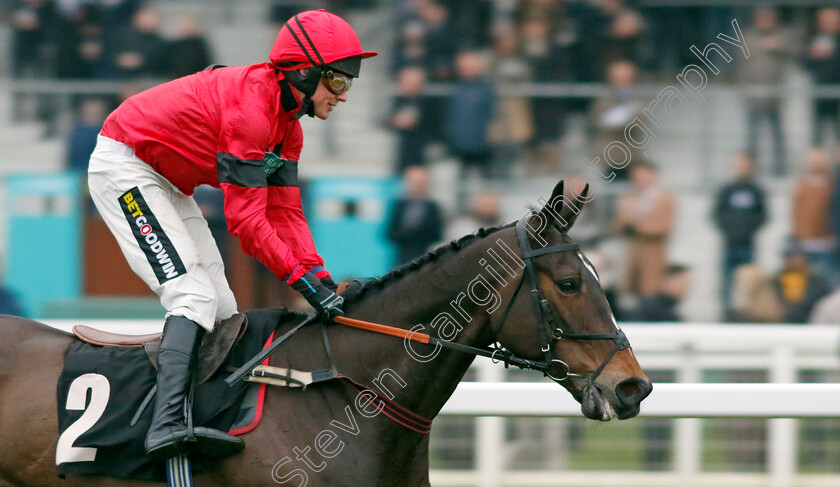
pixel 325 302
pixel 328 283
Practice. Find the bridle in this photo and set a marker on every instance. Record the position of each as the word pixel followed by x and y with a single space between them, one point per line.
pixel 550 332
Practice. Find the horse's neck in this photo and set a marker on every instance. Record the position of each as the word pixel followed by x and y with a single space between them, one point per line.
pixel 434 296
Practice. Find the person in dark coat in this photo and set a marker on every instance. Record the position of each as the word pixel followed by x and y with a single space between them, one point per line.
pixel 82 139
pixel 137 52
pixel 188 53
pixel 823 60
pixel 739 213
pixel 415 222
pixel 408 120
pixel 469 113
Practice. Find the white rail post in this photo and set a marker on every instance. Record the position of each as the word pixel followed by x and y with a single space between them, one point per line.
pixel 782 448
pixel 688 435
pixel 489 433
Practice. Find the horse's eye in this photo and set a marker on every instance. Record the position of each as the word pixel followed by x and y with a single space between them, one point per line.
pixel 568 286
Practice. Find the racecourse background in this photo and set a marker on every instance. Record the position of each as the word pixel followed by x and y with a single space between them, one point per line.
pixel 38 112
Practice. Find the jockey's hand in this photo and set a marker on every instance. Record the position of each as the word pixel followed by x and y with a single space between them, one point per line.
pixel 328 283
pixel 326 303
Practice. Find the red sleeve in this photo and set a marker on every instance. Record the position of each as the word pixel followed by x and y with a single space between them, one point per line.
pixel 245 134
pixel 284 205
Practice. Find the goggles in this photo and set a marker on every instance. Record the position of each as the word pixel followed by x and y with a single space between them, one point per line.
pixel 337 83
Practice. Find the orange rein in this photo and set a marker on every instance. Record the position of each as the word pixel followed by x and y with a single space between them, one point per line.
pixel 383 329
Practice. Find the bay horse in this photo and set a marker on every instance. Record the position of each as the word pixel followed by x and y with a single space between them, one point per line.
pixel 525 287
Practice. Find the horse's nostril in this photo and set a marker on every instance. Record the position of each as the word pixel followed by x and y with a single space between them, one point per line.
pixel 632 391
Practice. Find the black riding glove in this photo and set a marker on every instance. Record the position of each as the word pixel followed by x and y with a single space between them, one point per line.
pixel 326 303
pixel 328 283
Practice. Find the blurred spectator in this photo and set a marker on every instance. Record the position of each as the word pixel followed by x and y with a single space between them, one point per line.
pixel 116 17
pixel 513 123
pixel 625 38
pixel 471 19
pixel 408 118
pixel 612 112
pixel 440 39
pixel 823 59
pixel 188 53
pixel 410 48
pixel 439 46
pixel 754 297
pixel 645 217
pixel 82 139
pixel 65 26
pixel 9 302
pixel 137 52
pixel 415 222
pixel 799 287
pixel 550 60
pixel 484 214
pixel 469 112
pixel 30 21
pixel 771 50
pixel 662 306
pixel 739 213
pixel 90 44
pixel 811 204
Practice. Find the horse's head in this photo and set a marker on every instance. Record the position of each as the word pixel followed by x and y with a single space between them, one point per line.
pixel 558 314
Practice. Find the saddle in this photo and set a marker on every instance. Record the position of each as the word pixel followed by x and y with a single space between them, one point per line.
pixel 215 346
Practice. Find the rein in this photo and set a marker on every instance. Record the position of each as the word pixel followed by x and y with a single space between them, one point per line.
pixel 496 354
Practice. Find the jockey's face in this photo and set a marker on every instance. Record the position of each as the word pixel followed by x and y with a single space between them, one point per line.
pixel 323 101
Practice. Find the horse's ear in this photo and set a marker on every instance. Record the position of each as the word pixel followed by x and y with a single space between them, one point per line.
pixel 541 222
pixel 552 209
pixel 570 212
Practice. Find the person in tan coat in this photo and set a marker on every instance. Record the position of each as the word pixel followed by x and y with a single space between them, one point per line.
pixel 645 217
pixel 811 203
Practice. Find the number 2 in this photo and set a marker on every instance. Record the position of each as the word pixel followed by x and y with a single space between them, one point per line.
pixel 76 397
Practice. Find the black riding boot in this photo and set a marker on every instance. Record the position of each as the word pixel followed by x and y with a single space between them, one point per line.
pixel 169 435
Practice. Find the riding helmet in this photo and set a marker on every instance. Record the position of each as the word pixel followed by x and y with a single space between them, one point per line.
pixel 320 40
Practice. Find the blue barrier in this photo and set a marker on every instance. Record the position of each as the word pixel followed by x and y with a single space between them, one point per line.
pixel 43 259
pixel 347 217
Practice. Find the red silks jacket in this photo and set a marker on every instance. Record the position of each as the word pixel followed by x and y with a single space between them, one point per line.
pixel 215 127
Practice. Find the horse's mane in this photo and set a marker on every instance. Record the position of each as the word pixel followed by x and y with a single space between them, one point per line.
pixel 357 291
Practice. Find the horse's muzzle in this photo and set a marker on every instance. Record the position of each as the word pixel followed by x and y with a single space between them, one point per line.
pixel 630 394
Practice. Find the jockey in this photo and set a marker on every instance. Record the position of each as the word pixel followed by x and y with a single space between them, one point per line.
pixel 231 127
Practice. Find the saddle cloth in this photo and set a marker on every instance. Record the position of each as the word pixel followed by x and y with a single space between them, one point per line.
pixel 102 388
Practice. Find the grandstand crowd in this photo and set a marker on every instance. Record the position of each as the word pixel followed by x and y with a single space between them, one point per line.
pixel 454 65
